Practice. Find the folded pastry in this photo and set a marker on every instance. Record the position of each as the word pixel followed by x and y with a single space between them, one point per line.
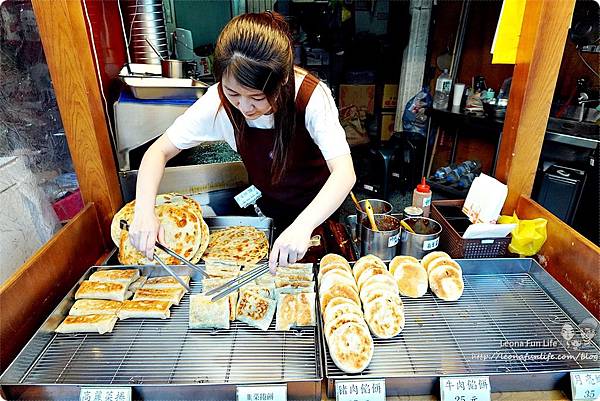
pixel 412 279
pixel 292 276
pixel 255 310
pixel 295 310
pixel 83 307
pixel 267 291
pixel 150 309
pixel 172 295
pixel 336 310
pixel 205 314
pixel 296 268
pixel 212 283
pixel 137 284
pixel 87 324
pixel 222 265
pixel 286 312
pixel 124 276
pixel 351 347
pixel 102 290
pixel 292 290
pixel 283 282
pixel 166 282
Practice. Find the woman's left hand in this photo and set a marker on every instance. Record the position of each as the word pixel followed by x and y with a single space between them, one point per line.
pixel 290 247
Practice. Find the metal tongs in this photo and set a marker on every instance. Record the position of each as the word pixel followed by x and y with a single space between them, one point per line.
pixel 240 281
pixel 125 226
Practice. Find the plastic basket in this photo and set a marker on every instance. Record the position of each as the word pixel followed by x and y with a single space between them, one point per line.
pixel 453 244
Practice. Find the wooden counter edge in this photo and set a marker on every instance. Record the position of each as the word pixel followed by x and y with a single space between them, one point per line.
pixel 33 291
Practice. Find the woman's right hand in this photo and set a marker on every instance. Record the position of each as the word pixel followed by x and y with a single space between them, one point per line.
pixel 144 232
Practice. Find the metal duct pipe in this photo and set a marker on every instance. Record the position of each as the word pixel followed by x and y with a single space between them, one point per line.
pixel 145 19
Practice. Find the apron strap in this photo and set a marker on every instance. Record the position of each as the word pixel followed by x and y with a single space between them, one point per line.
pixel 309 83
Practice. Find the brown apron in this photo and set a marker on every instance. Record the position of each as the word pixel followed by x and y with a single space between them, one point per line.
pixel 305 175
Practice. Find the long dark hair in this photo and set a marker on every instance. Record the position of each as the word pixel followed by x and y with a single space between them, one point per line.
pixel 256 49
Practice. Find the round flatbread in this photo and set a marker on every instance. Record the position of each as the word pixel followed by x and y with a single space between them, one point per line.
pixel 430 256
pixel 336 311
pixel 339 301
pixel 172 198
pixel 412 279
pixel 332 258
pixel 380 281
pixel 401 259
pixel 182 235
pixel 385 317
pixel 442 260
pixel 238 244
pixel 333 277
pixel 351 347
pixel 203 241
pixel 332 325
pixel 334 266
pixel 446 282
pixel 375 292
pixel 338 290
pixel 365 262
pixel 368 273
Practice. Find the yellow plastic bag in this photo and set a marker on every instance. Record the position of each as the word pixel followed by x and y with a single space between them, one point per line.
pixel 528 236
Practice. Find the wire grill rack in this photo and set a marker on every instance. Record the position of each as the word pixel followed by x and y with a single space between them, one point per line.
pixel 145 351
pixel 505 324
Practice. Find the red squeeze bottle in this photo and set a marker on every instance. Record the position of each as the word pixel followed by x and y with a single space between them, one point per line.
pixel 422 197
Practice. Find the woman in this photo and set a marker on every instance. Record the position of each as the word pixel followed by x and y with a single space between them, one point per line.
pixel 282 121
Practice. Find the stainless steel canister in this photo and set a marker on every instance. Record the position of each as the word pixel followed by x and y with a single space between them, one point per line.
pixel 379 207
pixel 425 239
pixel 413 211
pixel 177 68
pixel 382 243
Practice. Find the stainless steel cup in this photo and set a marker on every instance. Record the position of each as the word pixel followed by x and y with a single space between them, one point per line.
pixel 425 239
pixel 379 207
pixel 177 68
pixel 382 243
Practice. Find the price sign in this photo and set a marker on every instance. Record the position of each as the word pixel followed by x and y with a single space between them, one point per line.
pixel 467 388
pixel 276 392
pixel 360 390
pixel 248 196
pixel 105 394
pixel 585 385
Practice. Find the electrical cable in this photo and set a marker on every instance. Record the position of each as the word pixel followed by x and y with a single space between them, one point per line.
pixel 586 63
pixel 89 22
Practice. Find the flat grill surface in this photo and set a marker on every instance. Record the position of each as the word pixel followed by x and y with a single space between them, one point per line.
pixel 503 323
pixel 154 351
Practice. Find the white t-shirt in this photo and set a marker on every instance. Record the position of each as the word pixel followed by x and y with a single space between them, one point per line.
pixel 204 121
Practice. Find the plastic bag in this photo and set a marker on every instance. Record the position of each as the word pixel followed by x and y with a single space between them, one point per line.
pixel 528 236
pixel 415 117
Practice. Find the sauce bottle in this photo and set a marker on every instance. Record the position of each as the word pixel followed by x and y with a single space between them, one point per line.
pixel 422 197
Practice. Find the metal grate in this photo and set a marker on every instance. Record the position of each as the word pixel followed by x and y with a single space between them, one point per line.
pixel 146 351
pixel 502 324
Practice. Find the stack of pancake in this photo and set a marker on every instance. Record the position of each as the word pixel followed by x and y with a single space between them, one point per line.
pixel 445 276
pixel 186 233
pixel 347 334
pixel 384 311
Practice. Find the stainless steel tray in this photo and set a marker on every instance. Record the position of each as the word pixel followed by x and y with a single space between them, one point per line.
pixel 163 359
pixel 511 313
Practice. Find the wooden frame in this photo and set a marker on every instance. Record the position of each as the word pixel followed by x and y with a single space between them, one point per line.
pixel 541 45
pixel 69 54
pixel 56 267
